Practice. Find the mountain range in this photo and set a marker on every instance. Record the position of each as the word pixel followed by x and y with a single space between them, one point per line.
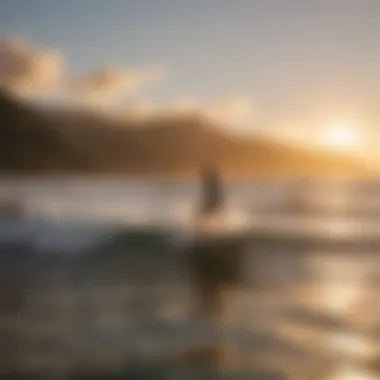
pixel 37 140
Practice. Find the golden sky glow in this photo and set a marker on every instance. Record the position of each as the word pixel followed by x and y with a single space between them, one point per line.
pixel 343 135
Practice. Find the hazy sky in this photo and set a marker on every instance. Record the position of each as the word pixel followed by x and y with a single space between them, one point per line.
pixel 301 62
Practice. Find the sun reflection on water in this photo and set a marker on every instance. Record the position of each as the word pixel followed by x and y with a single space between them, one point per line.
pixel 351 345
pixel 339 300
pixel 347 372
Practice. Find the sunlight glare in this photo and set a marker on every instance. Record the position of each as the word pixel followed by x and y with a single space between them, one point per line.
pixel 349 373
pixel 343 135
pixel 351 344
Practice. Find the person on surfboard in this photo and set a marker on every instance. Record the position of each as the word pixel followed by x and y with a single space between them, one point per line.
pixel 212 192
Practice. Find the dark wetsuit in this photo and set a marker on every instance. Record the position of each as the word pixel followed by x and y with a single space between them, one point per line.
pixel 212 193
pixel 215 261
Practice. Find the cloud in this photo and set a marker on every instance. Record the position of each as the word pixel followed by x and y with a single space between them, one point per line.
pixel 33 70
pixel 234 111
pixel 235 114
pixel 139 111
pixel 184 106
pixel 26 68
pixel 108 82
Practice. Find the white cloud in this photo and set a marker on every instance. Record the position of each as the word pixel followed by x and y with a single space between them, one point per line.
pixel 32 70
pixel 235 114
pixel 26 68
pixel 108 82
pixel 231 112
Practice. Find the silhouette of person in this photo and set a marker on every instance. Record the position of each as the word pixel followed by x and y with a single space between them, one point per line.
pixel 212 191
pixel 215 259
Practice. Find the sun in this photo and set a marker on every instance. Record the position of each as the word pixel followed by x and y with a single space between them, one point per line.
pixel 341 136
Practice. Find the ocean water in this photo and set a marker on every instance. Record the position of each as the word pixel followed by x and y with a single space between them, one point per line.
pixel 100 283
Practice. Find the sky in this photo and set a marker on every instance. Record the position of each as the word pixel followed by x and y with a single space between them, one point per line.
pixel 290 67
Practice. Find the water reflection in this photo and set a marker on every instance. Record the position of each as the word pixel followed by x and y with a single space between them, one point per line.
pixel 306 311
pixel 339 299
pixel 340 284
pixel 349 372
pixel 352 346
